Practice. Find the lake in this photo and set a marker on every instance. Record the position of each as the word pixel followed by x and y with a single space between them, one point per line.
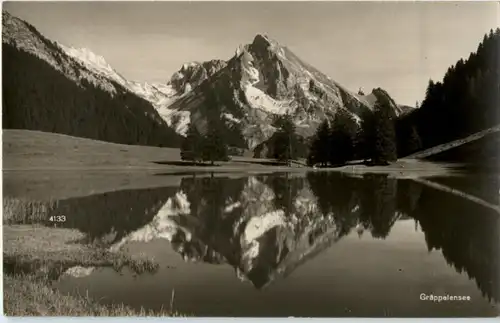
pixel 316 244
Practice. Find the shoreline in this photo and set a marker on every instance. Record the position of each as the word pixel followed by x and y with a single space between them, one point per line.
pixel 35 256
pixel 400 166
pixel 35 151
pixel 54 183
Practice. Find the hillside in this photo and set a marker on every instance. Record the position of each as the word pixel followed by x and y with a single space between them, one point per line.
pixel 24 150
pixel 465 102
pixel 479 148
pixel 45 89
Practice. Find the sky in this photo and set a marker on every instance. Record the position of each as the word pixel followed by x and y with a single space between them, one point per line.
pixel 394 45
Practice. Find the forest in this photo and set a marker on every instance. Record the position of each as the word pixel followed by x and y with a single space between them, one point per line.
pixel 38 97
pixel 464 102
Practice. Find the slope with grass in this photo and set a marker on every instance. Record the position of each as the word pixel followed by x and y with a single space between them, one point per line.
pixel 478 147
pixel 25 149
pixel 36 150
pixel 42 165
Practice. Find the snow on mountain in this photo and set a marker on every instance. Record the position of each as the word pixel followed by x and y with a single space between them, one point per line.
pixel 161 95
pixel 251 228
pixel 263 80
pixel 163 225
pixel 73 91
pixel 158 94
pixel 24 36
pixel 94 62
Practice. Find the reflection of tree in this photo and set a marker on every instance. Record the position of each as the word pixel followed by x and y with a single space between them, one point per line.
pixel 257 224
pixel 342 196
pixel 408 195
pixel 337 196
pixel 286 189
pixel 222 210
pixel 378 204
pixel 319 184
pixel 106 218
pixel 466 233
pixel 208 198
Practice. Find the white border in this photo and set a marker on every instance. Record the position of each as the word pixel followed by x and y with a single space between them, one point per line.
pixel 204 319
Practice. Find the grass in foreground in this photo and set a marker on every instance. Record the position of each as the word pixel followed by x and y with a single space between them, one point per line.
pixel 50 252
pixel 36 255
pixel 25 295
pixel 23 211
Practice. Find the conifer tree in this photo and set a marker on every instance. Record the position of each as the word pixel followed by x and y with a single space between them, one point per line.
pixel 464 102
pixel 214 148
pixel 285 140
pixel 191 148
pixel 384 136
pixel 342 138
pixel 365 137
pixel 414 143
pixel 320 147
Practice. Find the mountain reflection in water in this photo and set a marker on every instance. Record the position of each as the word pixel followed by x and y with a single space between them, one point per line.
pixel 266 226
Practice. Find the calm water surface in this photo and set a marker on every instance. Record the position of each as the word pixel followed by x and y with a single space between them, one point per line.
pixel 313 245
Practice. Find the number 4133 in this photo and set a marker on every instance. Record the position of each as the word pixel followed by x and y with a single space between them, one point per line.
pixel 57 218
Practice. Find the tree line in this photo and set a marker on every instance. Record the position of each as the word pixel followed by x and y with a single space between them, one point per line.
pixel 371 138
pixel 38 97
pixel 464 102
pixel 368 205
pixel 284 145
pixel 336 142
pixel 202 148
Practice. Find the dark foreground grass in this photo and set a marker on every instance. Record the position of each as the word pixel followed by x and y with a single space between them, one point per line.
pixel 49 252
pixel 34 256
pixel 24 211
pixel 26 295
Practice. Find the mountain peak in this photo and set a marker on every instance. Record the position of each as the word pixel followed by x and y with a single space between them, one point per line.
pixel 87 56
pixel 259 38
pixel 263 42
pixel 6 14
pixel 13 26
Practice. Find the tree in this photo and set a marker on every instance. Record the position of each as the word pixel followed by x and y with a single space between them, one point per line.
pixel 320 146
pixel 342 138
pixel 414 143
pixel 285 140
pixel 463 103
pixel 214 147
pixel 38 97
pixel 378 204
pixel 384 149
pixel 191 148
pixel 365 137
